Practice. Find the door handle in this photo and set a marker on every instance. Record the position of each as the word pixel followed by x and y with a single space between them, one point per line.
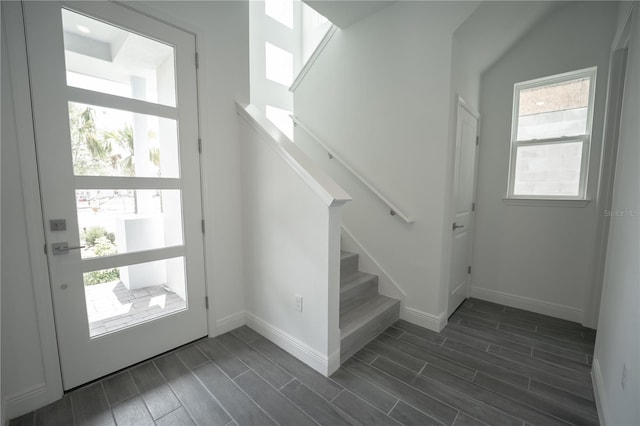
pixel 63 248
pixel 456 226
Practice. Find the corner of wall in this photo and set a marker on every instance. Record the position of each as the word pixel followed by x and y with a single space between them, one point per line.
pixel 599 393
pixel 557 310
pixel 228 323
pixel 3 412
pixel 324 365
pixel 424 319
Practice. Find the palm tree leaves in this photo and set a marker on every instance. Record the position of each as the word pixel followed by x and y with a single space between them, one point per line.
pixel 103 153
pixel 123 138
pixel 87 149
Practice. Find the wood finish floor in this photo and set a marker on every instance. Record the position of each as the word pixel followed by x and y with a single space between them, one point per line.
pixel 491 365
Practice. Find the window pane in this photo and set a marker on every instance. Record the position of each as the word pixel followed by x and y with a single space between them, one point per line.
pixel 279 64
pixel 111 142
pixel 554 110
pixel 124 221
pixel 122 297
pixel 548 169
pixel 280 10
pixel 108 59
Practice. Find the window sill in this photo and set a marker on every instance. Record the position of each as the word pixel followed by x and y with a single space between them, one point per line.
pixel 545 202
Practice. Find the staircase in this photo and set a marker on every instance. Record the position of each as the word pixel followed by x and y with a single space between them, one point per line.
pixel 364 313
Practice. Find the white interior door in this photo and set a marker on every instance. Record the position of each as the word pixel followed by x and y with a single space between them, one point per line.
pixel 463 205
pixel 115 111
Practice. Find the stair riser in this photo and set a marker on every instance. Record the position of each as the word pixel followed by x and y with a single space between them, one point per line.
pixel 355 341
pixel 348 266
pixel 358 295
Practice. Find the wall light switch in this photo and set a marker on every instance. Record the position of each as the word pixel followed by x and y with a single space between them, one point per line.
pixel 299 303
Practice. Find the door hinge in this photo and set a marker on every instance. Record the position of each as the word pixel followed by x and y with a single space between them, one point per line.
pixel 477 140
pixel 197 61
pixel 473 207
pixel 199 146
pixel 203 226
pixel 469 269
pixel 206 302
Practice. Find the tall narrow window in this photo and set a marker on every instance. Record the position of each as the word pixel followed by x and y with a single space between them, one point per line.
pixel 551 135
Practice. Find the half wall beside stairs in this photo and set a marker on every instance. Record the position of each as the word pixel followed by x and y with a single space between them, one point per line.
pixel 291 222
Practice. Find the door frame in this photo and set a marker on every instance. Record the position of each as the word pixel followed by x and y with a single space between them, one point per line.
pixel 51 390
pixel 608 159
pixel 461 103
pixel 13 32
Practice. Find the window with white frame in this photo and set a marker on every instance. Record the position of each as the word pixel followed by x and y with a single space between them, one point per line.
pixel 551 136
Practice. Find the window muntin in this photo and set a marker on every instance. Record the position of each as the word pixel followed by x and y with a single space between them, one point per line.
pixel 550 138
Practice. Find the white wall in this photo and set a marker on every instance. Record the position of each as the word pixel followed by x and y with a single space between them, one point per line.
pixel 222 37
pixel 221 30
pixel 618 339
pixel 380 96
pixel 291 246
pixel 539 257
pixel 3 410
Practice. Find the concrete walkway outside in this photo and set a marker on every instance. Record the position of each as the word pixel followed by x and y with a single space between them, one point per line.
pixel 110 306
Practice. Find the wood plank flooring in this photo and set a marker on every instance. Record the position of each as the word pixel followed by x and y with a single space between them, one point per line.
pixel 491 365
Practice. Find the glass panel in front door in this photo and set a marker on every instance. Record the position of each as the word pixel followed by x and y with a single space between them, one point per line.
pixel 108 143
pixel 116 221
pixel 111 142
pixel 105 58
pixel 121 297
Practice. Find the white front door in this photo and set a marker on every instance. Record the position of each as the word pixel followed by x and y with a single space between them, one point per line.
pixel 463 205
pixel 115 118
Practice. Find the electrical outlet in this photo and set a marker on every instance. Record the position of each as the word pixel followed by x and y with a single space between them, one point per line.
pixel 623 379
pixel 299 303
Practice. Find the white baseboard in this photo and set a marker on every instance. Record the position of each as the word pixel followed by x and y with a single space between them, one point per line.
pixel 323 364
pixel 32 399
pixel 530 304
pixel 599 393
pixel 423 319
pixel 230 322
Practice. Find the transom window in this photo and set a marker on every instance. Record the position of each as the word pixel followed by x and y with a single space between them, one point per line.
pixel 551 135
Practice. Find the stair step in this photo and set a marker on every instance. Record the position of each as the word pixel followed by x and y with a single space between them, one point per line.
pixel 356 289
pixel 348 263
pixel 364 322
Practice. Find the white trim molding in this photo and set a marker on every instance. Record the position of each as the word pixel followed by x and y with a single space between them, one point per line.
pixel 231 322
pixel 424 319
pixel 313 58
pixel 39 394
pixel 545 202
pixel 556 310
pixel 35 397
pixel 599 393
pixel 323 364
pixel 584 138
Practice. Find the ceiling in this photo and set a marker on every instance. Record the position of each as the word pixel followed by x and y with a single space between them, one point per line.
pixel 346 12
pixel 495 26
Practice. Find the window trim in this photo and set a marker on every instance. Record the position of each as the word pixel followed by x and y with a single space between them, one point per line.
pixel 585 138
